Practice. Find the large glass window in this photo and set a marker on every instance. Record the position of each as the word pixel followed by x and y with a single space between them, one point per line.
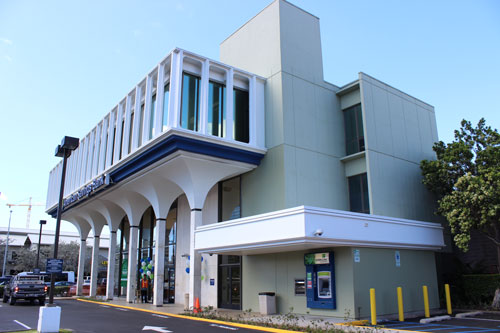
pixel 241 116
pixel 358 194
pixel 141 123
pixel 166 95
pixel 216 109
pixel 130 135
pixel 354 137
pixel 190 102
pixel 229 199
pixel 152 117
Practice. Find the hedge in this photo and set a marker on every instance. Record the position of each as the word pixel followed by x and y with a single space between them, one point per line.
pixel 480 288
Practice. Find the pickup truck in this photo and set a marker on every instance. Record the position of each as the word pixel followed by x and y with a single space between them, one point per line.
pixel 28 287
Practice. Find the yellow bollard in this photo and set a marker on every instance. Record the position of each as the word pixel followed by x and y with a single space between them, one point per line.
pixel 448 298
pixel 373 306
pixel 426 302
pixel 400 304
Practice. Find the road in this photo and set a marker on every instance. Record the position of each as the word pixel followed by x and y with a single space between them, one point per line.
pixel 90 317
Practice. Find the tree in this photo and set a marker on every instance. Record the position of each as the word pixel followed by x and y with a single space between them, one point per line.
pixel 466 179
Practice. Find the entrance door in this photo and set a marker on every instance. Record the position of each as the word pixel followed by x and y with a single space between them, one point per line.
pixel 230 282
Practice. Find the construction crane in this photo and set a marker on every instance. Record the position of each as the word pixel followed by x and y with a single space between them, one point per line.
pixel 29 205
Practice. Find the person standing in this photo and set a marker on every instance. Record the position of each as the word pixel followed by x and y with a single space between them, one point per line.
pixel 144 288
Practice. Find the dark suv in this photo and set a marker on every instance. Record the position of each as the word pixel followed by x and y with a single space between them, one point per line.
pixel 28 287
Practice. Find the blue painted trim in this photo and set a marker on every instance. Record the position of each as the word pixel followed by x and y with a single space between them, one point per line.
pixel 174 143
pixel 170 145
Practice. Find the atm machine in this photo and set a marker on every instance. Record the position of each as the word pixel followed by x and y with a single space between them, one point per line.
pixel 320 280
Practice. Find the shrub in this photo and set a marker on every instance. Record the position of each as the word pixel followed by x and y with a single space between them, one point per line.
pixel 480 288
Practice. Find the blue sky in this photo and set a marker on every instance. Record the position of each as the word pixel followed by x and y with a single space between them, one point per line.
pixel 65 64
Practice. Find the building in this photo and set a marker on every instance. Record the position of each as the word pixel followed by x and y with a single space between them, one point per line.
pixel 28 238
pixel 252 174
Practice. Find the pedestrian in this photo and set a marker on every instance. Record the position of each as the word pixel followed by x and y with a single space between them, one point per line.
pixel 144 289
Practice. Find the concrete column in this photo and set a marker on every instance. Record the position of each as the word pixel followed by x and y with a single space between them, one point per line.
pixel 195 259
pixel 204 86
pixel 95 267
pixel 110 284
pixel 132 263
pixel 174 109
pixel 160 87
pixel 81 267
pixel 159 273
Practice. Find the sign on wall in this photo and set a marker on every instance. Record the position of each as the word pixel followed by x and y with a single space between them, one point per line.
pixel 357 257
pixel 317 258
pixel 397 256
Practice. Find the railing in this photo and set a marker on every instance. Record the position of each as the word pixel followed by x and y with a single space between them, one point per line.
pixel 184 93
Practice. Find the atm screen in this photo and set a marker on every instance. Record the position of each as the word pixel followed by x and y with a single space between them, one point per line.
pixel 324 284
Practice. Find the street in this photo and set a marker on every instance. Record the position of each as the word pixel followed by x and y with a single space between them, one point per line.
pixel 91 317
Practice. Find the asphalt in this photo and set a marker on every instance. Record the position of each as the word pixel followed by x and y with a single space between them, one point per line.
pixel 88 317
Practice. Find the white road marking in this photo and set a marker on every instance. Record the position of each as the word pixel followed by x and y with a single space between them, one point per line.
pixel 156 329
pixel 122 309
pixel 160 316
pixel 225 327
pixel 23 325
pixel 104 306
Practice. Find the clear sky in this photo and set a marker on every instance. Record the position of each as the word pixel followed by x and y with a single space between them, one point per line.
pixel 65 64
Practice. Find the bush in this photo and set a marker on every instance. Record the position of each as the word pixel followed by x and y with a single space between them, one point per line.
pixel 480 288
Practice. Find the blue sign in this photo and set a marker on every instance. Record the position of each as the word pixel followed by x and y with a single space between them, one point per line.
pixel 212 282
pixel 54 266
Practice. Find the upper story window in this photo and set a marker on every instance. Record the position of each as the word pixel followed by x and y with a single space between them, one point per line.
pixel 241 115
pixel 230 199
pixel 216 109
pixel 354 137
pixel 358 194
pixel 166 95
pixel 152 117
pixel 190 102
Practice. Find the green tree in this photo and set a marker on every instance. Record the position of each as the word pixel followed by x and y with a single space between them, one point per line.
pixel 466 179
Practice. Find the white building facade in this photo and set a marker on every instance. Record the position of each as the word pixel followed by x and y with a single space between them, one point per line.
pixel 253 174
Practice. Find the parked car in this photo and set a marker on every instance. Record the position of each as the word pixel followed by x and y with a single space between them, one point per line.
pixel 64 284
pixel 28 287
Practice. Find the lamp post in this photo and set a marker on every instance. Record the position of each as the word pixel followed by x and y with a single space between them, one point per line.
pixel 42 222
pixel 68 144
pixel 6 246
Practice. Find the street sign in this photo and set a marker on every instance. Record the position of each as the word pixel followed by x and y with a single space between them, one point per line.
pixel 54 265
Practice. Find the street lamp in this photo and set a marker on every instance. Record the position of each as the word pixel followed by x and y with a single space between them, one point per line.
pixel 42 222
pixel 6 246
pixel 68 144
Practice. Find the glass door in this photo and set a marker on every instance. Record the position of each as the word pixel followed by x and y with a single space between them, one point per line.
pixel 230 282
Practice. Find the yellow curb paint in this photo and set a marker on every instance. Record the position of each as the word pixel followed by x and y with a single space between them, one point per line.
pixel 253 327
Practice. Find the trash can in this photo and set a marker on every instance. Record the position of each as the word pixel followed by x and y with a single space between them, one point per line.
pixel 267 303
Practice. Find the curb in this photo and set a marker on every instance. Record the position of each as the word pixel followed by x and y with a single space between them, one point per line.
pixel 252 327
pixel 468 314
pixel 433 319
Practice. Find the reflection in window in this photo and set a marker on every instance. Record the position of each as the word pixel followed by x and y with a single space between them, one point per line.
pixel 354 137
pixel 241 116
pixel 190 102
pixel 152 117
pixel 166 94
pixel 216 109
pixel 229 199
pixel 358 194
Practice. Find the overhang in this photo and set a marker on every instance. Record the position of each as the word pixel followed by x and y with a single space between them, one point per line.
pixel 303 228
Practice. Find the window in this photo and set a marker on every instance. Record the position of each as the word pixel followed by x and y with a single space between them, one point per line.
pixel 229 199
pixel 190 102
pixel 216 109
pixel 241 117
pixel 152 117
pixel 300 287
pixel 130 135
pixel 354 138
pixel 358 194
pixel 166 94
pixel 141 123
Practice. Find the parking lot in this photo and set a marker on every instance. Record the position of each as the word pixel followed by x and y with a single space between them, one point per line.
pixel 486 322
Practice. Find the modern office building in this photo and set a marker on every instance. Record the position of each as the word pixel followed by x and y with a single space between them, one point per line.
pixel 252 174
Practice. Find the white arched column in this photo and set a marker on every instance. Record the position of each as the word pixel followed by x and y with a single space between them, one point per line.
pixel 97 222
pixel 83 229
pixel 161 193
pixel 134 206
pixel 113 215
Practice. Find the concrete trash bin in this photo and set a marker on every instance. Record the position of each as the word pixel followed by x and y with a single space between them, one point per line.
pixel 267 303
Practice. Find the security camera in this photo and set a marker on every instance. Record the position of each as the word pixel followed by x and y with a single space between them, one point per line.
pixel 318 232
